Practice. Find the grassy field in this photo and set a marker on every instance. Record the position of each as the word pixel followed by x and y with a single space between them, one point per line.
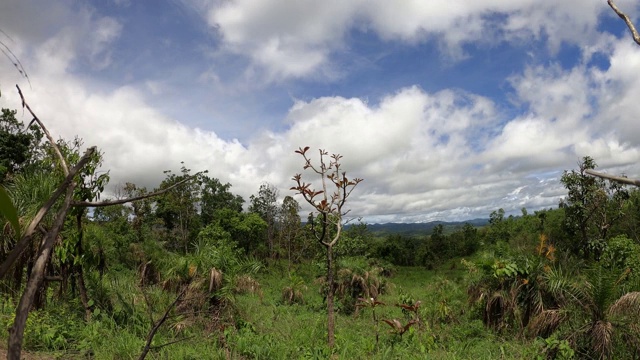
pixel 266 327
pixel 448 328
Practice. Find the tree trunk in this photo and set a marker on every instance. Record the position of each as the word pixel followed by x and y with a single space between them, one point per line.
pixel 330 313
pixel 16 333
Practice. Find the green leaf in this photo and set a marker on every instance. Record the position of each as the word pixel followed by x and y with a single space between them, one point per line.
pixel 9 211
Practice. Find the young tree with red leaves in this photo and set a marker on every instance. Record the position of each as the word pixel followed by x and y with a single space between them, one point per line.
pixel 328 202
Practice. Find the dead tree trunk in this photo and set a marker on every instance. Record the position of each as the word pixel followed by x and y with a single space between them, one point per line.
pixel 16 332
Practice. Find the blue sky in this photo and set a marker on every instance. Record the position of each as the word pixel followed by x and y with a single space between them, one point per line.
pixel 448 109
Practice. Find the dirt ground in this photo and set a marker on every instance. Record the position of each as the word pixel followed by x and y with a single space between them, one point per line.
pixel 25 355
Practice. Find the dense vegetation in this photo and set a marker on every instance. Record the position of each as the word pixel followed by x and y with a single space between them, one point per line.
pixel 190 274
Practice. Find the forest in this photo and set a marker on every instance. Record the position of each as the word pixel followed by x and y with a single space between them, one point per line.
pixel 190 270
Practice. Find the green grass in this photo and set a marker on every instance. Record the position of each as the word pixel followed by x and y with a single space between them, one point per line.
pixel 266 328
pixel 448 330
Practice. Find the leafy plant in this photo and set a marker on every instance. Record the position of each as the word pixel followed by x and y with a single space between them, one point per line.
pixel 371 303
pixel 293 293
pixel 397 327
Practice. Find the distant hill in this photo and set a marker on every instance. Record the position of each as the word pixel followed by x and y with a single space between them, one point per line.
pixel 421 228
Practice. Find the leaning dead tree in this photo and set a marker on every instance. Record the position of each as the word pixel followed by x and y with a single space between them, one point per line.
pixel 67 187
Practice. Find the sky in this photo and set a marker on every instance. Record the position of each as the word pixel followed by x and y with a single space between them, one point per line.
pixel 448 110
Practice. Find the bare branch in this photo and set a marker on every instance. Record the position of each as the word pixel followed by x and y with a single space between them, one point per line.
pixel 28 234
pixel 627 20
pixel 131 199
pixel 619 179
pixel 157 325
pixel 56 149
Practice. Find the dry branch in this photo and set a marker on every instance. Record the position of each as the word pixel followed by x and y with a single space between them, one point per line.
pixel 157 325
pixel 16 332
pixel 619 179
pixel 131 199
pixel 63 162
pixel 627 20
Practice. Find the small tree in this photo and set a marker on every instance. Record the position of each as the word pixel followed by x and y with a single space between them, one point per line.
pixel 330 210
pixel 265 204
pixel 289 223
pixel 591 207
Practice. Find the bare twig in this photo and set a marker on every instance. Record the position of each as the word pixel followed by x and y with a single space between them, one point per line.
pixel 56 149
pixel 131 199
pixel 619 179
pixel 627 20
pixel 157 325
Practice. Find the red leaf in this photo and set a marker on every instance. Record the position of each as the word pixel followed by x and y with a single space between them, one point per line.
pixel 302 151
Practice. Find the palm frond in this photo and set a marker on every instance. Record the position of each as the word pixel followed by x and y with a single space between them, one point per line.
pixel 602 339
pixel 627 305
pixel 546 322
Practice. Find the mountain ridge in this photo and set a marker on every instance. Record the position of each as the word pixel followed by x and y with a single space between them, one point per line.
pixel 424 228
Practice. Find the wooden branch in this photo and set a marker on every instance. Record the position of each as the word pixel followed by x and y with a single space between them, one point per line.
pixel 627 20
pixel 56 149
pixel 27 236
pixel 156 326
pixel 16 332
pixel 131 199
pixel 619 179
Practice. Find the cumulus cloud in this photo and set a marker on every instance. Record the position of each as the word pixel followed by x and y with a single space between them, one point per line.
pixel 296 40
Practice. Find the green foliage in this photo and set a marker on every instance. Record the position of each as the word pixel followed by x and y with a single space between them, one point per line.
pixel 177 209
pixel 217 196
pixel 555 348
pixel 265 205
pixel 592 208
pixel 622 253
pixel 290 231
pixel 18 147
pixel 8 211
pixel 355 241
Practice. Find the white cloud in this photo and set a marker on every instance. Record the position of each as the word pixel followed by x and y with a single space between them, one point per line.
pixel 295 39
pixel 106 30
pixel 63 34
pixel 424 155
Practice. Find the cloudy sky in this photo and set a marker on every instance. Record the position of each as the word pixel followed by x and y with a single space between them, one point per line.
pixel 448 109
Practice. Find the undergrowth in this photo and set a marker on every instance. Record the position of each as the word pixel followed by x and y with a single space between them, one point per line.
pixel 439 323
